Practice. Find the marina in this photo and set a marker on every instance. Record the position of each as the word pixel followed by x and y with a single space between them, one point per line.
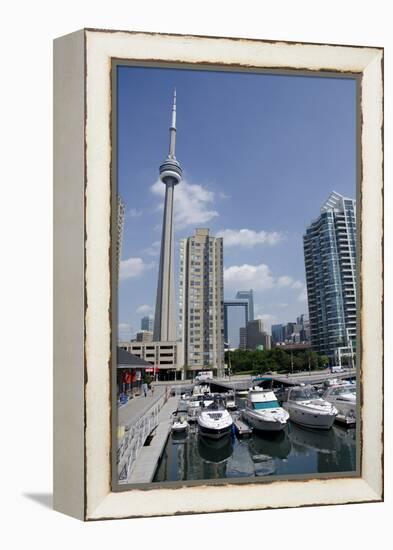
pixel 196 433
pixel 293 451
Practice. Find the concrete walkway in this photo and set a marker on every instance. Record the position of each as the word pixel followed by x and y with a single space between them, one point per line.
pixel 146 462
pixel 138 406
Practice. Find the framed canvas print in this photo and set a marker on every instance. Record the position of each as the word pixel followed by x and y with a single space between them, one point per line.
pixel 218 274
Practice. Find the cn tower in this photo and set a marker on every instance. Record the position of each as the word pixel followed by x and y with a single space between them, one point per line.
pixel 165 313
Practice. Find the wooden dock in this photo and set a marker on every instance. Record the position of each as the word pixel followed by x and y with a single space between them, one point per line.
pixel 147 460
pixel 347 421
pixel 242 429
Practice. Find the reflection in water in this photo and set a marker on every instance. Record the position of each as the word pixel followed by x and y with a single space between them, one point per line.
pixel 215 450
pixel 295 450
pixel 179 437
pixel 276 445
pixel 322 441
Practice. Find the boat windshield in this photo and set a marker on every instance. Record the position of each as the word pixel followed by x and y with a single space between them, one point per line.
pixel 303 394
pixel 216 405
pixel 266 405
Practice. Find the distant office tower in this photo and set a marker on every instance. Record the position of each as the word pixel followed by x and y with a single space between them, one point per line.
pixel 144 336
pixel 304 322
pixel 256 335
pixel 201 301
pixel 165 313
pixel 243 338
pixel 235 316
pixel 249 296
pixel 120 230
pixel 330 262
pixel 278 334
pixel 147 323
pixel 292 333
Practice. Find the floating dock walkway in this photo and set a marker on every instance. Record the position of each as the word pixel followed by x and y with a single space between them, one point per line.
pixel 147 460
pixel 242 429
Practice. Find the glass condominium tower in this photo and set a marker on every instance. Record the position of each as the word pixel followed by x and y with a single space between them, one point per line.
pixel 247 295
pixel 201 301
pixel 330 262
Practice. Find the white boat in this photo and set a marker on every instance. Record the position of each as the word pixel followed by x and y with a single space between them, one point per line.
pixel 214 421
pixel 263 411
pixel 230 401
pixel 306 408
pixel 201 389
pixel 343 397
pixel 180 424
pixel 193 407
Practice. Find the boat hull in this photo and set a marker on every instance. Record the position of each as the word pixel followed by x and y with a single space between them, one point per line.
pixel 310 419
pixel 214 433
pixel 262 424
pixel 346 410
pixel 178 429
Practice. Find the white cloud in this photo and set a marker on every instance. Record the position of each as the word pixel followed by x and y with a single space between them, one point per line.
pixel 192 206
pixel 298 284
pixel 249 238
pixel 144 309
pixel 303 295
pixel 153 249
pixel 258 277
pixel 133 267
pixel 285 280
pixel 223 195
pixel 267 319
pixel 134 213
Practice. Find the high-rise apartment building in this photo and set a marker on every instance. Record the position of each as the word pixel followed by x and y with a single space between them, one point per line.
pixel 249 296
pixel 120 230
pixel 201 301
pixel 147 323
pixel 330 262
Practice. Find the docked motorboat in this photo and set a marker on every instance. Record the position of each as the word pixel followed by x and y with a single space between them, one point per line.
pixel 193 407
pixel 343 397
pixel 200 389
pixel 230 401
pixel 307 408
pixel 214 421
pixel 263 411
pixel 180 424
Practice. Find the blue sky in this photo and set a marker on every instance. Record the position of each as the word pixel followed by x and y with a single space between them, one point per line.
pixel 260 154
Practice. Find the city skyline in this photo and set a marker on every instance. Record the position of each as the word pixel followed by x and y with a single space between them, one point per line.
pixel 263 242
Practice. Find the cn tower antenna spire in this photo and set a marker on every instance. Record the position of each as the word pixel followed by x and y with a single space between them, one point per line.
pixel 172 129
pixel 170 175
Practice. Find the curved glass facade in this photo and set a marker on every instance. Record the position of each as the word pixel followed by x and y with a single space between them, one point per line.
pixel 330 263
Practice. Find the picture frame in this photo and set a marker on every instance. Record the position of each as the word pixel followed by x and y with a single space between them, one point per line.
pixel 83 204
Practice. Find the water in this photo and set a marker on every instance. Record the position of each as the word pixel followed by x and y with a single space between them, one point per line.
pixel 295 450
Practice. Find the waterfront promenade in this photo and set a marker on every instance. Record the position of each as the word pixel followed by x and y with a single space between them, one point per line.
pixel 136 421
pixel 145 465
pixel 136 407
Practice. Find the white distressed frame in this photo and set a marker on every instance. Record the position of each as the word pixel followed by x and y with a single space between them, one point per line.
pixel 91 418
